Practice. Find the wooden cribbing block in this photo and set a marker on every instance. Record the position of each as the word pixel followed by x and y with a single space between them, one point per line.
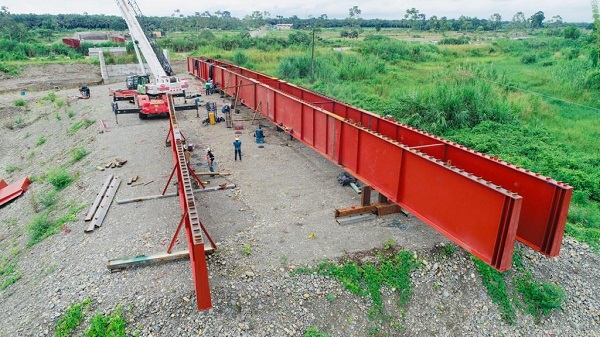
pixel 365 196
pixel 342 212
pixel 385 209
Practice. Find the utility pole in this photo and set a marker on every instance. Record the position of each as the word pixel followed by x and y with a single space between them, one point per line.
pixel 312 55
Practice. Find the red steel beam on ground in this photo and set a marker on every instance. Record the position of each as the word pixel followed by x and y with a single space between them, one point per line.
pixel 468 206
pixel 545 201
pixel 193 227
pixel 12 191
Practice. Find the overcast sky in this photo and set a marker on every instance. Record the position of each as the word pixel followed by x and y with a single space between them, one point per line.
pixel 569 10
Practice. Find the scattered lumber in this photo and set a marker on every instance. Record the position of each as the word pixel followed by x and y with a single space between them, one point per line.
pixel 133 179
pixel 99 196
pixel 115 163
pixel 102 209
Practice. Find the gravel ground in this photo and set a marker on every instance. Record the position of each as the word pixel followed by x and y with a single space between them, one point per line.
pixel 278 218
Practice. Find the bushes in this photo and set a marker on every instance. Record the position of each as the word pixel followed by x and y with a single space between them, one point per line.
pixel 458 103
pixel 334 66
pixel 529 58
pixel 60 178
pixel 20 102
pixel 455 41
pixel 294 67
pixel 240 59
pixel 394 50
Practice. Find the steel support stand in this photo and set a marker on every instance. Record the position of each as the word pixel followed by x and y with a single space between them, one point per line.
pixel 169 181
pixel 174 239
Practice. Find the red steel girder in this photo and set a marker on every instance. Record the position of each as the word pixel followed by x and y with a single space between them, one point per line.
pixel 191 219
pixel 12 191
pixel 441 182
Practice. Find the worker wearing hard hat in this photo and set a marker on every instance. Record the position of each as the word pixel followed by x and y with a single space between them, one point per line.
pixel 237 147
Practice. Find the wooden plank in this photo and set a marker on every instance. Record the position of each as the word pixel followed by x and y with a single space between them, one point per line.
pixel 99 197
pixel 173 194
pixel 356 218
pixel 104 205
pixel 385 209
pixel 353 210
pixel 144 260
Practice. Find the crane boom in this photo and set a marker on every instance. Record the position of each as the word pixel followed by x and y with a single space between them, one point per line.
pixel 163 82
pixel 140 38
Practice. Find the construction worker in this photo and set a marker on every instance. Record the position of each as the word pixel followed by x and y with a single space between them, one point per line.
pixel 237 147
pixel 207 86
pixel 210 160
pixel 260 136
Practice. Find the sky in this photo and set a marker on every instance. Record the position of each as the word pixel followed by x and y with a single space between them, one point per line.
pixel 569 10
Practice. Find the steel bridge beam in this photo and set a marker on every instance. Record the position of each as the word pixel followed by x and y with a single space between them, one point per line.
pixel 191 218
pixel 478 201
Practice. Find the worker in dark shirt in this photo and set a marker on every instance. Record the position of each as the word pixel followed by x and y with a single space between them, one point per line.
pixel 260 136
pixel 237 148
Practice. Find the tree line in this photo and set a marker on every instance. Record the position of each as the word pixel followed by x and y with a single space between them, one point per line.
pixel 16 26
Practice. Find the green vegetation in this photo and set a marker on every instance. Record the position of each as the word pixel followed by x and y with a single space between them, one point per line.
pixel 42 226
pixel 48 198
pixel 112 324
pixel 78 125
pixel 71 319
pixel 448 250
pixel 40 141
pixel 313 331
pixel 100 325
pixel 496 287
pixel 392 270
pixel 8 274
pixel 79 153
pixel 246 249
pixel 11 168
pixel 389 243
pixel 17 122
pixel 536 297
pixel 50 97
pixel 540 298
pixel 20 102
pixel 59 177
pixel 70 113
